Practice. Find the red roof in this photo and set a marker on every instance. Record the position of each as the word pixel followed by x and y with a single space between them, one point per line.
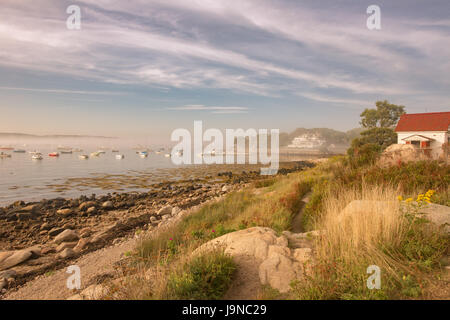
pixel 434 121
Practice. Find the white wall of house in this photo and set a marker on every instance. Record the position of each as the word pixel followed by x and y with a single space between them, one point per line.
pixel 440 137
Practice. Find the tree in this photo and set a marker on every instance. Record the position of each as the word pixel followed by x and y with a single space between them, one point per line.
pixel 385 115
pixel 383 137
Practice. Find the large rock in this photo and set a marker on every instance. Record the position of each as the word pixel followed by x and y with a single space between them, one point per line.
pixel 16 258
pixel 4 255
pixel 66 236
pixel 165 210
pixel 66 245
pixel 108 205
pixel 397 153
pixel 64 212
pixel 438 214
pixel 85 205
pixel 278 264
pixel 66 253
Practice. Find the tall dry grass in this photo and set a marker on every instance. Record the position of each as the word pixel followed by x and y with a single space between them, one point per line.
pixel 357 223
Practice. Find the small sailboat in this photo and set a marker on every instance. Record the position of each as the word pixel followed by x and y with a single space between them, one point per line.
pixel 120 156
pixel 83 157
pixel 53 154
pixel 167 155
pixel 37 156
pixel 95 154
pixel 4 155
pixel 143 154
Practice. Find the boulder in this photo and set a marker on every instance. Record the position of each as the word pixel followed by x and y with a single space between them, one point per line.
pixel 397 153
pixel 85 205
pixel 4 255
pixel 8 274
pixel 438 214
pixel 278 264
pixel 30 208
pixel 66 236
pixel 66 245
pixel 107 205
pixel 16 258
pixel 66 253
pixel 81 245
pixel 64 212
pixel 91 210
pixel 165 210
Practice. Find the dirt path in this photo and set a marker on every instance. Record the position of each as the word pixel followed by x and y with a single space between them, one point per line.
pixel 297 222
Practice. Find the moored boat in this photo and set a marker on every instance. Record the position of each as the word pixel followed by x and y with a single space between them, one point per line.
pixel 83 157
pixel 4 155
pixel 120 156
pixel 19 151
pixel 53 154
pixel 36 156
pixel 95 154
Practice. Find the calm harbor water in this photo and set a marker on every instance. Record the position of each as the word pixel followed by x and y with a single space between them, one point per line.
pixel 22 178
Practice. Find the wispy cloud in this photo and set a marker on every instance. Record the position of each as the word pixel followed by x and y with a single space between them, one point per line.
pixel 212 109
pixel 63 91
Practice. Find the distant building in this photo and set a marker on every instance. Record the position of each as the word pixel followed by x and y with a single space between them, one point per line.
pixel 429 132
pixel 307 141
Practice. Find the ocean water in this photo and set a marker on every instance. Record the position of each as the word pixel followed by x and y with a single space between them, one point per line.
pixel 22 178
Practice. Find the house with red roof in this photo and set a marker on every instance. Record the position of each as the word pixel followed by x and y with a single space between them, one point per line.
pixel 429 132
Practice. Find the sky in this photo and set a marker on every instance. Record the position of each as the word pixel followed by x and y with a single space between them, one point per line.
pixel 144 68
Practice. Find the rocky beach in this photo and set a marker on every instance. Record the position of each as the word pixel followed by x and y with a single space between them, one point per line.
pixel 37 238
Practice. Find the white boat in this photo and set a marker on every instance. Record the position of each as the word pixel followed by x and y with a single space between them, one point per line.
pixel 77 150
pixel 34 152
pixel 37 156
pixel 167 155
pixel 95 154
pixel 83 157
pixel 120 156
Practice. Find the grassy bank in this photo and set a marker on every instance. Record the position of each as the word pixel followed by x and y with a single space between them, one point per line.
pixel 397 239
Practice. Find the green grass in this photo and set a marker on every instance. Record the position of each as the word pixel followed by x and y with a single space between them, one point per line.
pixel 205 277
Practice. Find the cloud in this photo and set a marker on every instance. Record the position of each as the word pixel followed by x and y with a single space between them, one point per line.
pixel 64 91
pixel 249 47
pixel 212 109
